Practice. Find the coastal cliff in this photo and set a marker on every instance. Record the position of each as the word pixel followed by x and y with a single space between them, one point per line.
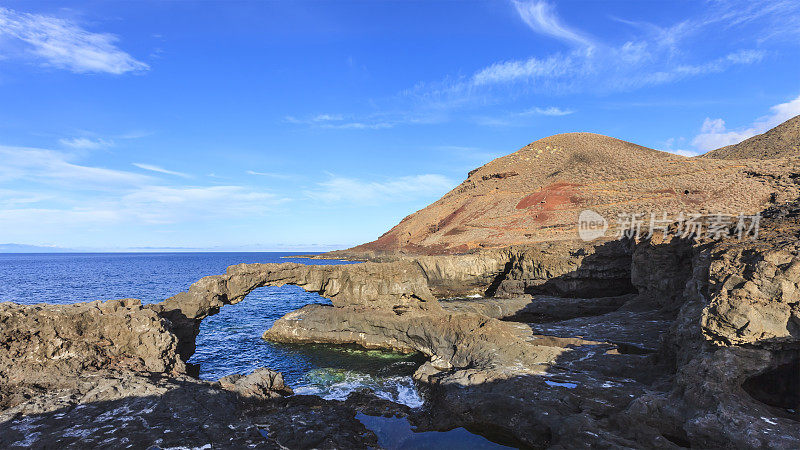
pixel 540 369
pixel 658 341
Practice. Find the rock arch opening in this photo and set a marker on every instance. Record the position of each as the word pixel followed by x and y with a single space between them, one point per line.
pixel 230 341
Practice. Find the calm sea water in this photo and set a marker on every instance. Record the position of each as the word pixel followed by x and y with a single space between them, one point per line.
pixel 229 342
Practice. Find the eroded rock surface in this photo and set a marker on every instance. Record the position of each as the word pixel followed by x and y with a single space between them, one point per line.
pixel 568 268
pixel 399 284
pixel 47 346
pixel 128 410
pixel 735 382
pixel 705 354
pixel 109 375
pixel 113 374
pixel 261 383
pixel 658 343
pixel 488 347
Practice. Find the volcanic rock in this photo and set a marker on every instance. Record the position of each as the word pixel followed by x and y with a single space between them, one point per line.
pixel 261 383
pixel 398 285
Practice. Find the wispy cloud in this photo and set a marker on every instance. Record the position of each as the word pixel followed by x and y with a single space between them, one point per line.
pixel 156 205
pixel 83 143
pixel 13 197
pixel 657 55
pixel 41 165
pixel 541 17
pixel 338 121
pixel 167 204
pixel 43 192
pixel 522 118
pixel 280 176
pixel 549 111
pixel 631 66
pixel 158 169
pixel 353 190
pixel 327 118
pixel 715 134
pixel 64 44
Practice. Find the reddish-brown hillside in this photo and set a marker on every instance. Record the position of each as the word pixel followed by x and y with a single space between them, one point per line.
pixel 536 193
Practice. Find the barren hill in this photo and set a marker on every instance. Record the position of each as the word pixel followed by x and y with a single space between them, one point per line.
pixel 536 193
pixel 781 141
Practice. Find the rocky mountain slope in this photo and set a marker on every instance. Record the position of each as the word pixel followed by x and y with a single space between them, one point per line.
pixel 536 194
pixel 779 142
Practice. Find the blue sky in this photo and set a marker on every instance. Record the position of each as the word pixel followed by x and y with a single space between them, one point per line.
pixel 314 125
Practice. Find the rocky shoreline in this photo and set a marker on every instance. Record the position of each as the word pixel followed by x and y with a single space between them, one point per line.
pixel 661 342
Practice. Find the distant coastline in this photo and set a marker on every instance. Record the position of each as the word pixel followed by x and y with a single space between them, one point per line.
pixel 32 249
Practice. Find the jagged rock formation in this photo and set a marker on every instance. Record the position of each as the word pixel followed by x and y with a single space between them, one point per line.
pixel 116 409
pixel 45 346
pixel 399 285
pixel 781 141
pixel 538 308
pixel 735 344
pixel 535 195
pixel 113 374
pixel 700 346
pixel 706 353
pixel 564 268
pixel 487 348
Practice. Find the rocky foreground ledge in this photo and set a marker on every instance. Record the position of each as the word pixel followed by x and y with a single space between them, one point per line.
pixel 661 343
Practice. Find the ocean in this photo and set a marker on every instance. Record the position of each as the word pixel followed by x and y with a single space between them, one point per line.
pixel 229 342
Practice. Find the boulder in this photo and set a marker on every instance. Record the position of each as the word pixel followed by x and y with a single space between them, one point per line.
pixel 261 383
pixel 46 345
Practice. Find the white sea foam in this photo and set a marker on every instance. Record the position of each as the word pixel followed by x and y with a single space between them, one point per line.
pixel 339 384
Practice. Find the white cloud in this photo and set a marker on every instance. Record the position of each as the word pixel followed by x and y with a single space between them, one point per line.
pixel 671 143
pixel 13 198
pixel 327 117
pixel 155 205
pixel 158 169
pixel 654 55
pixel 352 190
pixel 47 193
pixel 510 71
pixel 83 143
pixel 715 134
pixel 549 111
pixel 541 17
pixel 630 66
pixel 166 204
pixel 280 176
pixel 338 121
pixel 39 165
pixel 521 118
pixel 63 44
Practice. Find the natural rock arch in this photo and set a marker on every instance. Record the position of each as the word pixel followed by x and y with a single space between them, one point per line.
pixel 399 285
